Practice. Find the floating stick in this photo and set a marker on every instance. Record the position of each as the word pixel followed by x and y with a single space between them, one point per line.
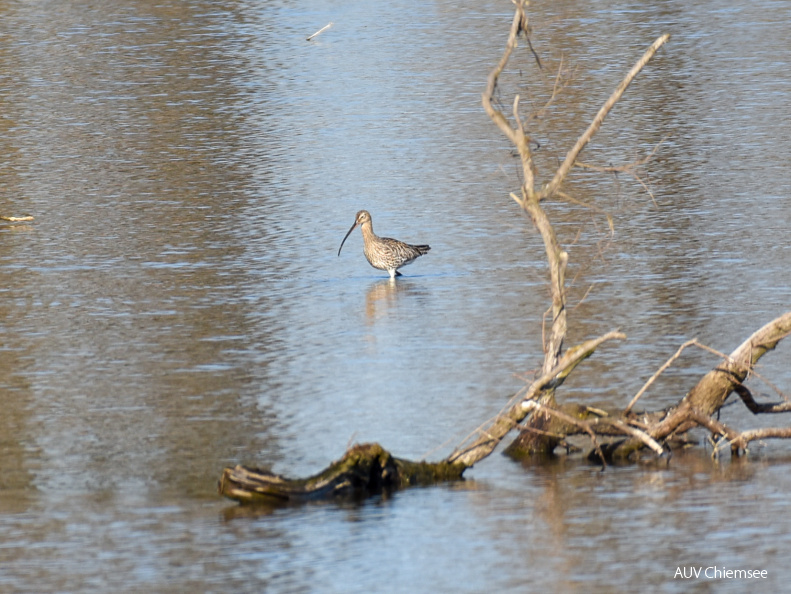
pixel 320 31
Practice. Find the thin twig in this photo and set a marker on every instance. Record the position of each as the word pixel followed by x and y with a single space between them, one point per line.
pixel 645 187
pixel 750 370
pixel 629 167
pixel 569 198
pixel 626 167
pixel 659 372
pixel 535 55
pixel 583 140
pixel 584 297
pixel 558 86
pixel 720 354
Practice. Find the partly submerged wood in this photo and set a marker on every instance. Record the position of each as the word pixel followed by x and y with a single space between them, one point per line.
pixel 709 395
pixel 364 470
pixel 369 469
pixel 16 219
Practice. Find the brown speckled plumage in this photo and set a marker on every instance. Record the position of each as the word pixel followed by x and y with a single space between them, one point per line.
pixel 382 252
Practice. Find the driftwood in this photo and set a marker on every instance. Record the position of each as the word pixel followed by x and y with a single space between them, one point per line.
pixel 544 423
pixel 319 32
pixel 363 471
pixel 711 392
pixel 16 219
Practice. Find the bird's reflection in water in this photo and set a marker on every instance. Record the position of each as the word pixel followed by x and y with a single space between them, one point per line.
pixel 383 296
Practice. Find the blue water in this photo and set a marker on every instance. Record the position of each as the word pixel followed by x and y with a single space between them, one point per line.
pixel 178 305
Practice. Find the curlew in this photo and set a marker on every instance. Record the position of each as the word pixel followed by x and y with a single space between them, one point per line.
pixel 382 252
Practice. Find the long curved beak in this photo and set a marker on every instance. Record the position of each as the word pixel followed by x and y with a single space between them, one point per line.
pixel 347 235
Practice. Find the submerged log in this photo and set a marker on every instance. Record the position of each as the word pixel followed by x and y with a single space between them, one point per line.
pixel 364 470
pixel 546 432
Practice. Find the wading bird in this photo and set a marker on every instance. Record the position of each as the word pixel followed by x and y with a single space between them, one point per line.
pixel 382 252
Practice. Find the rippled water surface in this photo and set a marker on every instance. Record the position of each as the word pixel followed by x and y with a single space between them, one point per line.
pixel 178 305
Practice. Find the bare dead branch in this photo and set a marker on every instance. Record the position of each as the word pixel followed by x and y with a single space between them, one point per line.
pixel 557 87
pixel 503 424
pixel 556 257
pixel 626 167
pixel 641 435
pixel 568 198
pixel 757 408
pixel 713 425
pixel 629 168
pixel 712 390
pixel 591 428
pixel 739 441
pixel 571 157
pixel 572 357
pixel 754 434
pixel 645 187
pixel 659 372
pixel 532 51
pixel 488 95
pixel 739 388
